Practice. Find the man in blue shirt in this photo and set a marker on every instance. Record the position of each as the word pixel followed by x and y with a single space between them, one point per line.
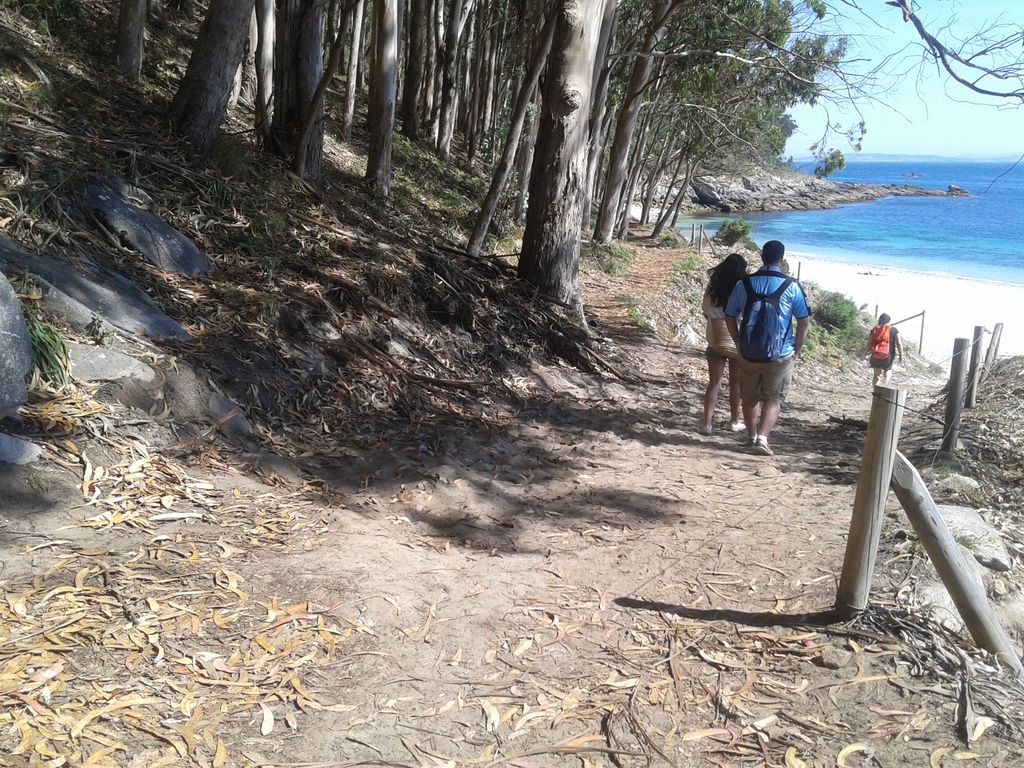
pixel 766 384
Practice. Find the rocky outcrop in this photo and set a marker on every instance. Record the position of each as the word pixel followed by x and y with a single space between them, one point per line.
pixel 79 295
pixel 791 191
pixel 93 364
pixel 15 353
pixel 162 245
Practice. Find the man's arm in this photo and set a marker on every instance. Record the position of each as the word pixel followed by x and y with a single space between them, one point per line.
pixel 730 323
pixel 803 324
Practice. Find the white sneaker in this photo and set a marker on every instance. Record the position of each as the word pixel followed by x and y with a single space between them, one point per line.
pixel 737 426
pixel 705 430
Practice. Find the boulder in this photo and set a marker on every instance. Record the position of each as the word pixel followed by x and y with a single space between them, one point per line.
pixel 956 483
pixel 78 295
pixel 89 363
pixel 14 450
pixel 228 417
pixel 934 599
pixel 977 537
pixel 161 244
pixel 15 352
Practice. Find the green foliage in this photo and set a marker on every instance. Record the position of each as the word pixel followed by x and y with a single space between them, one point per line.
pixel 636 317
pixel 830 163
pixel 613 258
pixel 838 325
pixel 49 352
pixel 48 16
pixel 687 265
pixel 732 231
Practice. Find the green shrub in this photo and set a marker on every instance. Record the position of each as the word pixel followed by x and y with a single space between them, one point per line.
pixel 732 231
pixel 636 317
pixel 613 258
pixel 838 324
pixel 49 353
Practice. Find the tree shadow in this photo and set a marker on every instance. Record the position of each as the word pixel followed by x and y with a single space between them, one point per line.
pixel 763 619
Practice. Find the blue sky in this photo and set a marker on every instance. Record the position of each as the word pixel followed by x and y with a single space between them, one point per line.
pixel 917 110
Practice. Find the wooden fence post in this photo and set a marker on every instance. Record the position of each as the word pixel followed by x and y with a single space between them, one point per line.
pixel 968 596
pixel 920 340
pixel 869 503
pixel 955 397
pixel 993 350
pixel 974 372
pixel 693 233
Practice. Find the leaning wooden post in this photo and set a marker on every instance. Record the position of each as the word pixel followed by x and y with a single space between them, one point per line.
pixel 693 233
pixel 974 371
pixel 968 595
pixel 955 397
pixel 993 350
pixel 920 340
pixel 869 503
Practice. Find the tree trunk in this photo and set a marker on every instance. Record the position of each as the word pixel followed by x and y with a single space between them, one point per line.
pixel 599 105
pixel 383 95
pixel 265 26
pixel 524 160
pixel 298 67
pixel 551 243
pixel 673 210
pixel 501 173
pixel 651 186
pixel 414 70
pixel 315 110
pixel 155 9
pixel 248 95
pixel 131 25
pixel 624 128
pixel 460 11
pixel 639 159
pixel 429 50
pixel 352 81
pixel 198 107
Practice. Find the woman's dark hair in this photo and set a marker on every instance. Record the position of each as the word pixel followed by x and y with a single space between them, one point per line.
pixel 723 278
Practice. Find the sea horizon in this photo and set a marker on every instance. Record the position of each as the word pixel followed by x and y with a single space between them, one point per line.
pixel 977 237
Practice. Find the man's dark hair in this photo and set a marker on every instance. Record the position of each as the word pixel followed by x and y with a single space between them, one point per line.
pixel 884 319
pixel 773 252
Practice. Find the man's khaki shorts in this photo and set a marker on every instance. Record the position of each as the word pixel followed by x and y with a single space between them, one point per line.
pixel 766 381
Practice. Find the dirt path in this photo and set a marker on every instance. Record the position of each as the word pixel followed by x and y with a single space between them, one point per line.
pixel 589 582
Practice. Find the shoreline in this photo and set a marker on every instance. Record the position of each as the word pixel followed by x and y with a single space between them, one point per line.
pixel 952 304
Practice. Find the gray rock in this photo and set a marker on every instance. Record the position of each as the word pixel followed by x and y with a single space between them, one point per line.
pixel 976 536
pixel 162 245
pixel 228 416
pixel 15 352
pixel 77 295
pixel 955 483
pixel 89 363
pixel 765 190
pixel 131 193
pixel 14 450
pixel 934 599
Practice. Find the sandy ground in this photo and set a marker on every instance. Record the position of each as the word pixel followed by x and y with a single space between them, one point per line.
pixel 582 582
pixel 952 305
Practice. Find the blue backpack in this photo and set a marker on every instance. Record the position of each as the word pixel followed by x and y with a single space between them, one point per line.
pixel 761 332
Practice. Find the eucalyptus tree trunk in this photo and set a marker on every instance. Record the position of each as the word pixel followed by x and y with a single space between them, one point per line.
pixel 314 110
pixel 672 212
pixel 524 159
pixel 626 124
pixel 198 107
pixel 636 167
pixel 131 26
pixel 265 28
pixel 551 242
pixel 538 56
pixel 599 104
pixel 383 94
pixel 426 99
pixel 459 13
pixel 248 65
pixel 652 182
pixel 352 81
pixel 414 66
pixel 298 67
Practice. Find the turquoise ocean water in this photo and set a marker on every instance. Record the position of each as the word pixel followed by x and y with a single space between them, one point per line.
pixel 980 236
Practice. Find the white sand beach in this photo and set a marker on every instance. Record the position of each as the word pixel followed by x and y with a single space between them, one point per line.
pixel 952 305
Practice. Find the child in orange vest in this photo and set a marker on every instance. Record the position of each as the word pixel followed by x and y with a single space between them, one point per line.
pixel 883 346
